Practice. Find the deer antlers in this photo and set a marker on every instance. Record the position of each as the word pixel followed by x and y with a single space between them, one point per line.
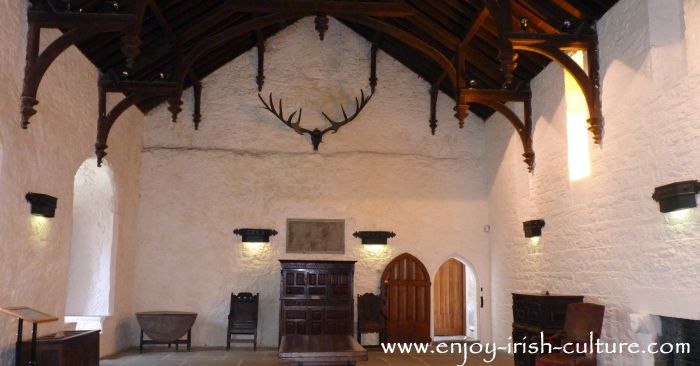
pixel 315 134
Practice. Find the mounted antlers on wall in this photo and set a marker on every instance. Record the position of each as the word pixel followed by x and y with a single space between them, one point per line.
pixel 316 134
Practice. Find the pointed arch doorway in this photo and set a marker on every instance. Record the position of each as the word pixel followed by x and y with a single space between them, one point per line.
pixel 406 294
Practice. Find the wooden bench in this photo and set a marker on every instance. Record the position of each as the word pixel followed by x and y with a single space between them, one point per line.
pixel 304 350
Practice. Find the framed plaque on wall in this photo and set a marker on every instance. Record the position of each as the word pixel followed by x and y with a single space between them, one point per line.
pixel 316 236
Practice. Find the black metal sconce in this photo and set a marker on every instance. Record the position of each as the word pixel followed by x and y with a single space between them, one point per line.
pixel 255 235
pixel 676 196
pixel 533 228
pixel 42 204
pixel 374 237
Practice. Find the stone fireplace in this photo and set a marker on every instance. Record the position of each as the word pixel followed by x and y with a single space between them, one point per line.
pixel 674 331
pixel 658 329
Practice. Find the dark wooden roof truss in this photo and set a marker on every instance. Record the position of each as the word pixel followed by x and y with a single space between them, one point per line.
pixel 482 53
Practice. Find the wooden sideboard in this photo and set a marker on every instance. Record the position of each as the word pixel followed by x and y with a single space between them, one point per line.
pixel 70 348
pixel 533 314
pixel 316 297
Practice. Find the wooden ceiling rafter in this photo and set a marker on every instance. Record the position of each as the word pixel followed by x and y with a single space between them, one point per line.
pixel 461 45
pixel 480 52
pixel 134 92
pixel 496 100
pixel 150 36
pixel 77 26
pixel 551 45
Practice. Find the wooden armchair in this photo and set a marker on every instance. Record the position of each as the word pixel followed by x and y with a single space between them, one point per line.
pixel 581 320
pixel 369 315
pixel 243 318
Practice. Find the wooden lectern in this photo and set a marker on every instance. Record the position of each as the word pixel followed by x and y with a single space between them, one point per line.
pixel 33 316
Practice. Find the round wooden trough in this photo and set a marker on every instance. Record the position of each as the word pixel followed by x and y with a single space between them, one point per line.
pixel 165 326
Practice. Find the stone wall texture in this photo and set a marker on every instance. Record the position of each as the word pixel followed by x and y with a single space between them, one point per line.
pixel 605 237
pixel 35 253
pixel 180 193
pixel 243 168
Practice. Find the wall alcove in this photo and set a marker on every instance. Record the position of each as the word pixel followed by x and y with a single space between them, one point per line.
pixel 89 294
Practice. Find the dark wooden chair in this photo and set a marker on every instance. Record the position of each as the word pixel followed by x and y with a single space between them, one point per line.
pixel 243 318
pixel 581 319
pixel 369 315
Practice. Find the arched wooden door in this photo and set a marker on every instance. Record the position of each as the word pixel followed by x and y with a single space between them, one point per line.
pixel 406 294
pixel 450 300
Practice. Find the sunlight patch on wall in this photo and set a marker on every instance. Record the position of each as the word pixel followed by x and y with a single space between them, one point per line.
pixel 576 125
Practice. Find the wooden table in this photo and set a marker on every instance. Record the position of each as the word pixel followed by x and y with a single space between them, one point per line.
pixel 166 327
pixel 300 350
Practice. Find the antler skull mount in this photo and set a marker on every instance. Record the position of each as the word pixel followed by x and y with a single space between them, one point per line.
pixel 315 134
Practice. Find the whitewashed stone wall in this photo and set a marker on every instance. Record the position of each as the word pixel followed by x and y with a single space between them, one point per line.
pixel 604 236
pixel 44 158
pixel 243 168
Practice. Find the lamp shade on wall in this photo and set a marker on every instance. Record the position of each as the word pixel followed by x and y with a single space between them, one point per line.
pixel 533 228
pixel 374 237
pixel 255 235
pixel 42 204
pixel 676 196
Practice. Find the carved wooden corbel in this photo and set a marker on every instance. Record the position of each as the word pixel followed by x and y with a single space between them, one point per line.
pixel 434 89
pixel 461 109
pixel 131 40
pixel 373 61
pixel 76 26
pixel 496 99
pixel 135 92
pixel 554 46
pixel 260 78
pixel 321 23
pixel 175 99
pixel 501 12
pixel 461 49
pixel 197 110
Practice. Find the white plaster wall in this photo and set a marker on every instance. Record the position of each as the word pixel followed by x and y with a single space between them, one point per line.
pixel 604 236
pixel 34 255
pixel 245 169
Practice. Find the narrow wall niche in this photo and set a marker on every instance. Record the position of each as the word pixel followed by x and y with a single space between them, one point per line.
pixel 90 269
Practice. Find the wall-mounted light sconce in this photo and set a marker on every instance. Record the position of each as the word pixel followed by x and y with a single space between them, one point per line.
pixel 255 235
pixel 676 196
pixel 374 237
pixel 533 228
pixel 42 204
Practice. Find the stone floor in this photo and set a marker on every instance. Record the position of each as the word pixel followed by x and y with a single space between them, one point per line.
pixel 218 357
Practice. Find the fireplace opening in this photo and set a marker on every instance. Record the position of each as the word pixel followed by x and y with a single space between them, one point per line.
pixel 675 331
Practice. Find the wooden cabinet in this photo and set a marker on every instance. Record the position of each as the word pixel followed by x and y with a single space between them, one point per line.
pixel 316 297
pixel 72 348
pixel 533 314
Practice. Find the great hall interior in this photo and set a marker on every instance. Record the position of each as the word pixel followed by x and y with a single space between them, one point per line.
pixel 302 182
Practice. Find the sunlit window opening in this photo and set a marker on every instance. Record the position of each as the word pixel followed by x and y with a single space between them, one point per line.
pixel 576 125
